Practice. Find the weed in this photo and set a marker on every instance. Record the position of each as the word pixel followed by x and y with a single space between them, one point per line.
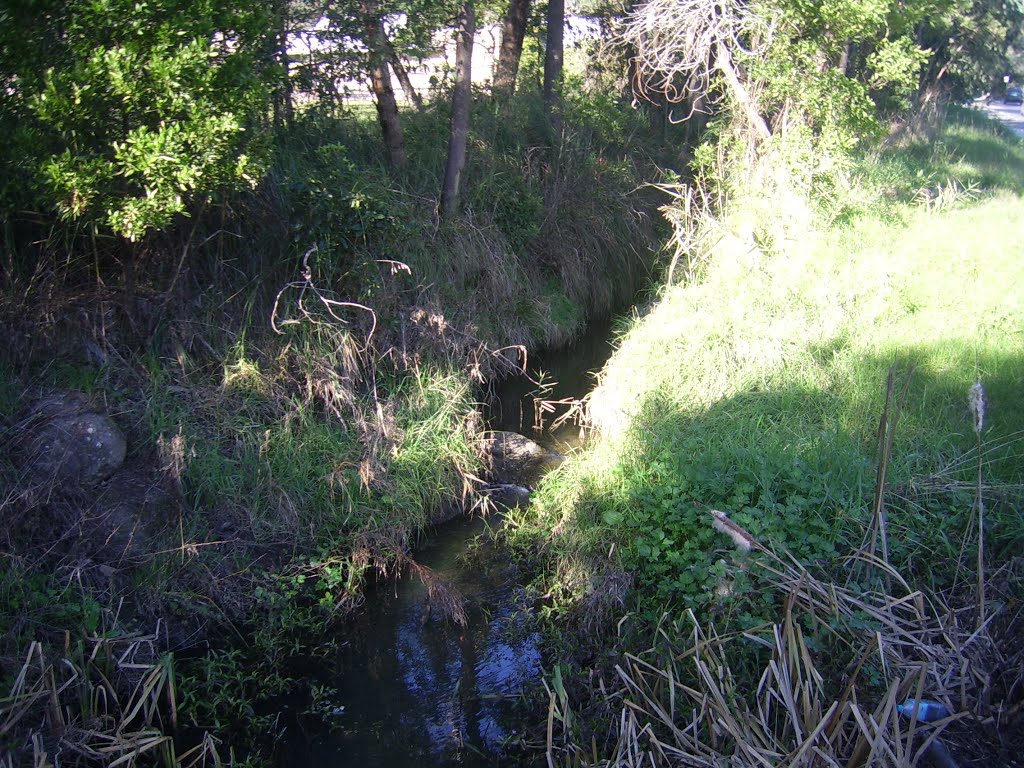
pixel 110 699
pixel 224 689
pixel 294 369
pixel 701 696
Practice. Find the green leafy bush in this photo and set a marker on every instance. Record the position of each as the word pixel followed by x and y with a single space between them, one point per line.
pixel 140 111
pixel 336 204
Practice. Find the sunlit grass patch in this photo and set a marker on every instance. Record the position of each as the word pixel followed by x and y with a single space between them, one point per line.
pixel 972 151
pixel 757 390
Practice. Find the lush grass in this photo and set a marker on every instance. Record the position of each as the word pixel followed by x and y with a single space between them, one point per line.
pixel 971 155
pixel 548 238
pixel 757 390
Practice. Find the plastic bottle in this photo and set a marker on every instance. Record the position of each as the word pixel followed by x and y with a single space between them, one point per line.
pixel 926 710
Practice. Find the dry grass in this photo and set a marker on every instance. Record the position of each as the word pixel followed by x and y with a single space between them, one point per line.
pixel 384 552
pixel 108 701
pixel 695 702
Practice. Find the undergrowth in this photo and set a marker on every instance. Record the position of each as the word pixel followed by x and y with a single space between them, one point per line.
pixel 296 370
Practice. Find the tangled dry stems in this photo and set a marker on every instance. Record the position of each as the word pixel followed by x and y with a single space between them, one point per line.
pixel 686 703
pixel 104 702
pixel 675 43
pixel 385 552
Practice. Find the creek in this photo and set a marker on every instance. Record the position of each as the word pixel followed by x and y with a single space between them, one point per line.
pixel 407 686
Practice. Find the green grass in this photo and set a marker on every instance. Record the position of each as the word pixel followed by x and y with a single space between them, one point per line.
pixel 291 469
pixel 971 149
pixel 546 241
pixel 757 390
pixel 288 509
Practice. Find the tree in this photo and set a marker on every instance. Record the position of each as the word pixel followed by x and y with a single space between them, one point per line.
pixel 377 48
pixel 284 111
pixel 553 55
pixel 837 65
pixel 972 45
pixel 459 130
pixel 513 33
pixel 398 67
pixel 128 113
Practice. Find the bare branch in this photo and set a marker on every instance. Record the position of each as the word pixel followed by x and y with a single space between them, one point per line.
pixel 306 287
pixel 683 49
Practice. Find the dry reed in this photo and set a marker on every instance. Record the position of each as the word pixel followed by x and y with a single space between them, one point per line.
pixel 691 701
pixel 107 701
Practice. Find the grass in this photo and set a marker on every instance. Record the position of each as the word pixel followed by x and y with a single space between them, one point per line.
pixel 284 511
pixel 688 700
pixel 104 701
pixel 756 389
pixel 529 221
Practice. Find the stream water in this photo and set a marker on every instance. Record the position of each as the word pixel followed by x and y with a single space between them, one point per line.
pixel 569 374
pixel 409 687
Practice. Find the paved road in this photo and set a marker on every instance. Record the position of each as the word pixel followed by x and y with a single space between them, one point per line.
pixel 1010 114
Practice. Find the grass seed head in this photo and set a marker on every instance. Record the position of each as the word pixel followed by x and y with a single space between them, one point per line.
pixel 977 403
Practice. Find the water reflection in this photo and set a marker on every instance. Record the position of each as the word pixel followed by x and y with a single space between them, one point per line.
pixel 415 688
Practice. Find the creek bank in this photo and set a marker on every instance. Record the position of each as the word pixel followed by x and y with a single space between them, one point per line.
pixel 128 521
pixel 73 472
pixel 412 686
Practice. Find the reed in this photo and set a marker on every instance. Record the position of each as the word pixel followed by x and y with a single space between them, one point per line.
pixel 690 699
pixel 106 700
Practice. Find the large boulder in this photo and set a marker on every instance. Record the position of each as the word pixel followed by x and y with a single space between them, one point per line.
pixel 66 441
pixel 513 458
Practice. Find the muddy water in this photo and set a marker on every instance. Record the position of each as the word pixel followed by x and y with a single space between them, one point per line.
pixel 409 687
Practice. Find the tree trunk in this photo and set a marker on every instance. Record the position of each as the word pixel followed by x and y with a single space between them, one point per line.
pixel 380 82
pixel 282 87
pixel 513 32
pixel 403 77
pixel 460 109
pixel 844 59
pixel 657 116
pixel 553 62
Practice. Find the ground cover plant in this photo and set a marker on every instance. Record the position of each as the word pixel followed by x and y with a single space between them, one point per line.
pixel 756 388
pixel 273 310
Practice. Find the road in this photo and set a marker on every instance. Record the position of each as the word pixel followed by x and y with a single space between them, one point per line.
pixel 1009 114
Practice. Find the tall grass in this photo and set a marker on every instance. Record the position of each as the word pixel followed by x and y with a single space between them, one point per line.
pixel 756 387
pixel 692 697
pixel 107 700
pixel 542 222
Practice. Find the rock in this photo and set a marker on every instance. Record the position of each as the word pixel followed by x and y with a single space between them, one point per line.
pixel 508 494
pixel 64 440
pixel 447 511
pixel 515 459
